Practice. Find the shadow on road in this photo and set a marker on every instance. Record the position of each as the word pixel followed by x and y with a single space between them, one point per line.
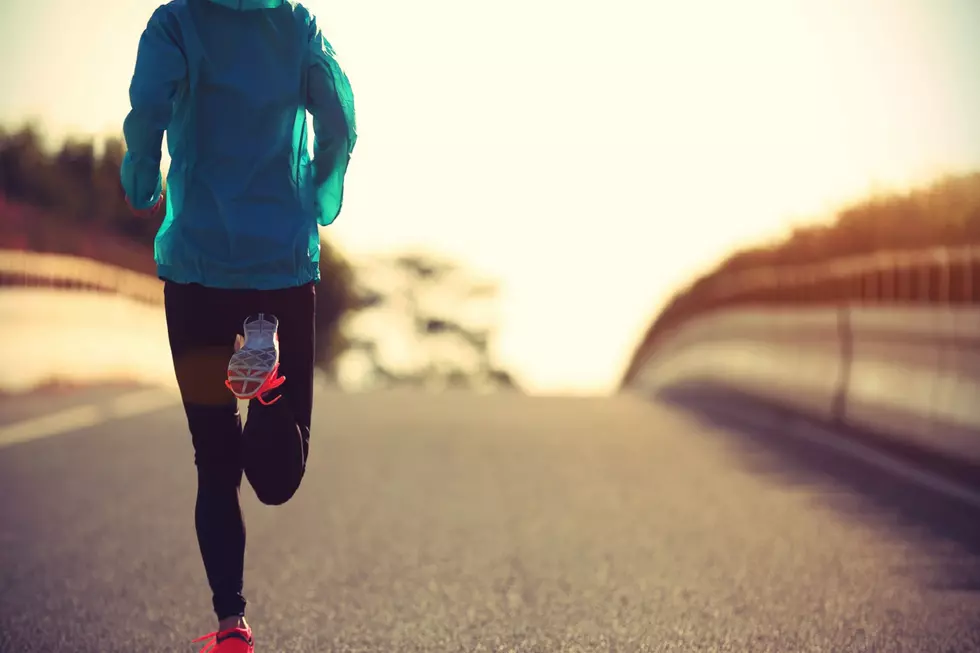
pixel 768 439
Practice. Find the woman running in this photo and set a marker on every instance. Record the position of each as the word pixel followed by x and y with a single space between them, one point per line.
pixel 231 82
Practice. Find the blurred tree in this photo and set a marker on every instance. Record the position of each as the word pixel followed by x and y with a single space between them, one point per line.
pixel 25 169
pixel 336 299
pixel 75 165
pixel 425 321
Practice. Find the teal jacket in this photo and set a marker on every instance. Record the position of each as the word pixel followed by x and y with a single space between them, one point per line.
pixel 231 82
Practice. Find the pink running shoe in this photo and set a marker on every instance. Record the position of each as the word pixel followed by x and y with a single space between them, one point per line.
pixel 254 368
pixel 235 640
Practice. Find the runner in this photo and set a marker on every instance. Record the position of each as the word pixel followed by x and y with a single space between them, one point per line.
pixel 230 82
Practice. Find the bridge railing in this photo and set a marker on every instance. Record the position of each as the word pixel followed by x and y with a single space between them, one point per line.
pixel 934 276
pixel 23 268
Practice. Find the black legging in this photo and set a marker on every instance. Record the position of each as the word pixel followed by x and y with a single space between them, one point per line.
pixel 272 447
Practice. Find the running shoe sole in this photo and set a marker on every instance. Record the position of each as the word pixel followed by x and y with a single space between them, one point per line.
pixel 256 360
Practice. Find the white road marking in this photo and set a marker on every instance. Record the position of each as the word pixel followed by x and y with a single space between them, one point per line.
pixel 87 416
pixel 826 437
pixel 895 466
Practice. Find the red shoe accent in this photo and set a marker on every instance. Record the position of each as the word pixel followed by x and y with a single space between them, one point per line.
pixel 234 640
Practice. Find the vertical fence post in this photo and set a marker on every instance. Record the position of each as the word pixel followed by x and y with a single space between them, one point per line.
pixel 887 281
pixel 942 296
pixel 845 341
pixel 925 268
pixel 968 280
pixel 901 281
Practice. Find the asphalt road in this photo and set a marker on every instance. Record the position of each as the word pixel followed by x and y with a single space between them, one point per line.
pixel 494 523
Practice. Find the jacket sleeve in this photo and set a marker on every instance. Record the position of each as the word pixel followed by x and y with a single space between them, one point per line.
pixel 160 69
pixel 330 101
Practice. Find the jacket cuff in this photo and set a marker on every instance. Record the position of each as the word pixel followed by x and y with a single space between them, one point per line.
pixel 147 212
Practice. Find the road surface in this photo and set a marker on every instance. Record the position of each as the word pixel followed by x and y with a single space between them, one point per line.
pixel 493 523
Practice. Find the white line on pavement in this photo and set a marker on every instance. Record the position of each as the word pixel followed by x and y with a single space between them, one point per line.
pixel 87 416
pixel 927 479
pixel 825 436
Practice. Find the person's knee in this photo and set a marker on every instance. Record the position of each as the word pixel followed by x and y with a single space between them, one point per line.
pixel 274 491
pixel 275 457
pixel 274 498
pixel 275 475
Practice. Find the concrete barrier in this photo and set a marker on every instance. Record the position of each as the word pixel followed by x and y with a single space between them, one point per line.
pixel 80 337
pixel 910 373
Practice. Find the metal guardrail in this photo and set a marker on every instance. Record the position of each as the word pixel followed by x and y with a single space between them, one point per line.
pixel 932 276
pixel 22 268
pixel 941 275
pixel 904 276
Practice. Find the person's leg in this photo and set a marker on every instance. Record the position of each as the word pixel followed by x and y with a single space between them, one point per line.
pixel 277 436
pixel 202 324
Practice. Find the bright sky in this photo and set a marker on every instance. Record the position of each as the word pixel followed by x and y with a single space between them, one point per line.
pixel 590 156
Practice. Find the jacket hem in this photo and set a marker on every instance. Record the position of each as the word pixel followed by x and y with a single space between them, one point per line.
pixel 231 281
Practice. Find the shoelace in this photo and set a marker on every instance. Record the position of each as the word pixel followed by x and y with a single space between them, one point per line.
pixel 272 383
pixel 210 645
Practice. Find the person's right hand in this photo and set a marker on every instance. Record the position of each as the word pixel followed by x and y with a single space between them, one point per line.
pixel 150 212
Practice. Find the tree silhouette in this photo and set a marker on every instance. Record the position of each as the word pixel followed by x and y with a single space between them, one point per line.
pixel 426 321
